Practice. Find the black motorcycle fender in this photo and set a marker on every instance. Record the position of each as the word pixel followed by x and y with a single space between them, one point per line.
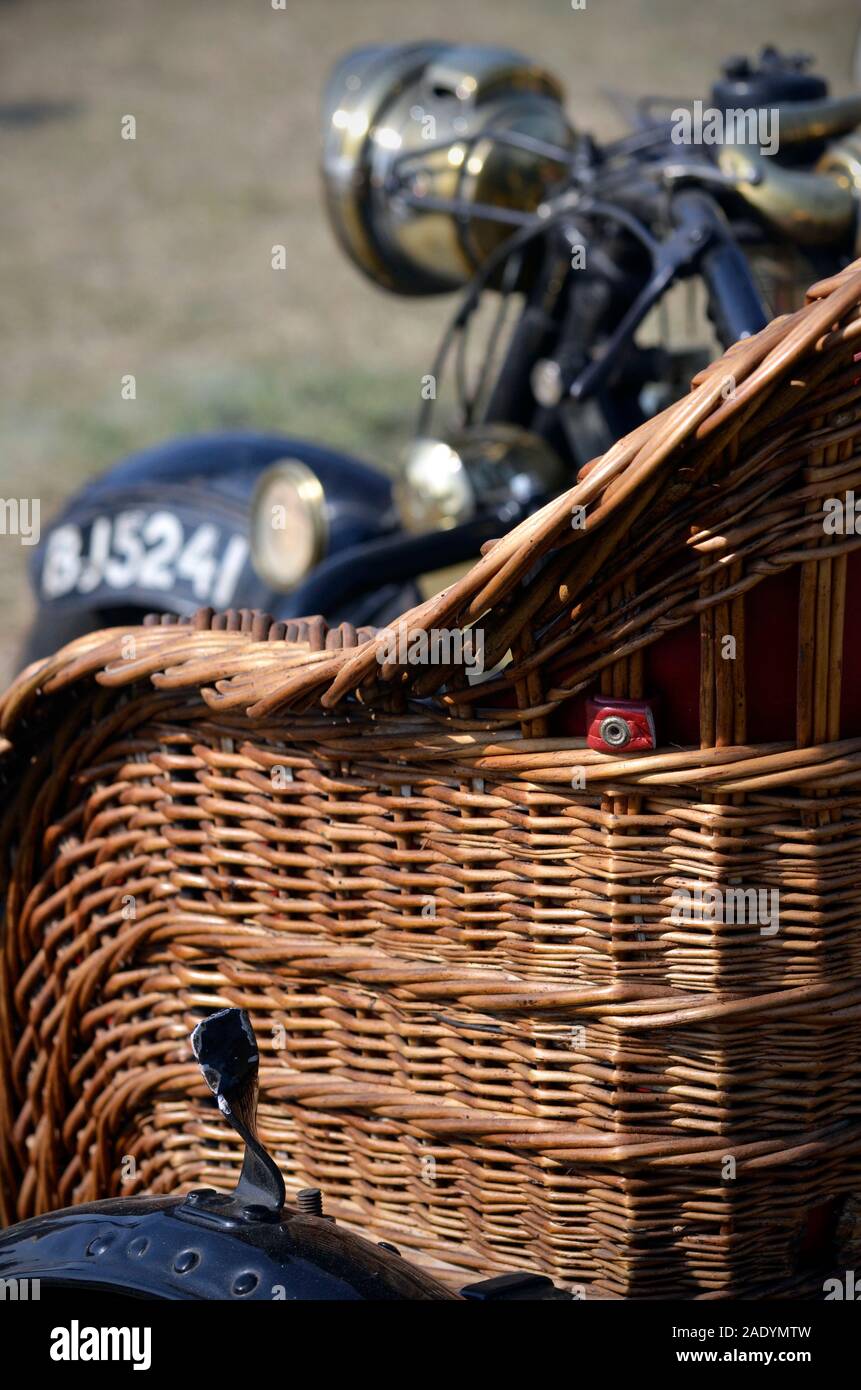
pixel 178 488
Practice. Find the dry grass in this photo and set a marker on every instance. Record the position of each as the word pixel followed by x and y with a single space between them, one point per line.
pixel 153 257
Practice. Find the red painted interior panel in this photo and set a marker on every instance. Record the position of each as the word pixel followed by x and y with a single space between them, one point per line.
pixel 671 668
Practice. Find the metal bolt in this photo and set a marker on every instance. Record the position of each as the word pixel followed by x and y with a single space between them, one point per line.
pixel 200 1194
pixel 310 1201
pixel 615 731
pixel 546 382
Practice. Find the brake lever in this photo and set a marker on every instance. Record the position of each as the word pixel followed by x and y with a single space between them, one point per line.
pixel 680 249
pixel 671 174
pixel 699 231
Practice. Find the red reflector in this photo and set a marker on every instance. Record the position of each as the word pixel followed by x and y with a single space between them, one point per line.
pixel 620 726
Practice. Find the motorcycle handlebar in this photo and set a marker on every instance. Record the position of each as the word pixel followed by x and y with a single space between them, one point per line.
pixel 734 302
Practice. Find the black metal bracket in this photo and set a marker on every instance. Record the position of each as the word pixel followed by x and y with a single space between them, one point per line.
pixel 226 1049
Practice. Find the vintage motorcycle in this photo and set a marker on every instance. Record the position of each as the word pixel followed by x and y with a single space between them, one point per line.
pixel 456 169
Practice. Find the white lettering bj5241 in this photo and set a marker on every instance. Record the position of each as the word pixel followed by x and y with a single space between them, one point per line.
pixel 149 551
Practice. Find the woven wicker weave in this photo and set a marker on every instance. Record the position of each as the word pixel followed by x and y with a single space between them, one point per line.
pixel 485 1033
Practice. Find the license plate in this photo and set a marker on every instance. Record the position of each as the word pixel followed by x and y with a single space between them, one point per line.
pixel 151 552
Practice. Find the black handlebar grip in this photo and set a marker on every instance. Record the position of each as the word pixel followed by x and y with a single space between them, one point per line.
pixel 734 303
pixel 735 306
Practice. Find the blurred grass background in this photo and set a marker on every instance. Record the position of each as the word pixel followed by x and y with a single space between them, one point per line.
pixel 152 256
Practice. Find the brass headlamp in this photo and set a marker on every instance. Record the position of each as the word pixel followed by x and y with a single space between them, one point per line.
pixel 410 126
